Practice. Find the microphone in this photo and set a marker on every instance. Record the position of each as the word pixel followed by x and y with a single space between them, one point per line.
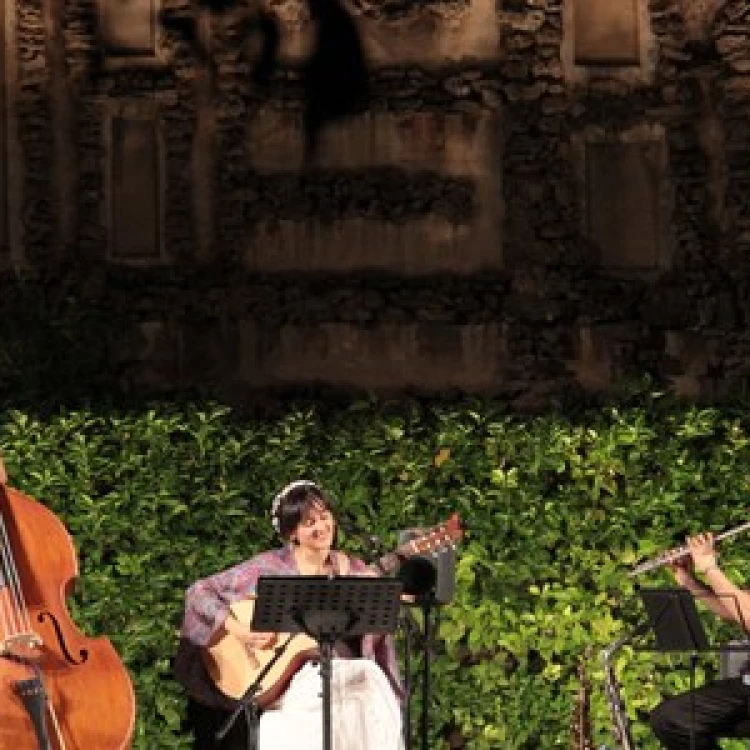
pixel 418 575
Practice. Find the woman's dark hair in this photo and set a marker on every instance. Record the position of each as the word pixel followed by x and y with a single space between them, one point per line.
pixel 294 502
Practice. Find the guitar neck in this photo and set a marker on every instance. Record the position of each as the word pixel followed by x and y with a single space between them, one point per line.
pixel 429 541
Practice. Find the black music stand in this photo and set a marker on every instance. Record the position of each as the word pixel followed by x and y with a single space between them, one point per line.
pixel 674 619
pixel 327 609
pixel 677 626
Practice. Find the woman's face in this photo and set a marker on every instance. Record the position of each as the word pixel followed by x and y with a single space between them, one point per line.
pixel 316 529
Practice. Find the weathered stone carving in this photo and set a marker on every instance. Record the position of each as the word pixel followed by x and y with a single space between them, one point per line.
pixel 35 129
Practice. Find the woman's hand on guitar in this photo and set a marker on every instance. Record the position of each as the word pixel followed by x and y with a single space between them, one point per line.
pixel 252 640
pixel 255 641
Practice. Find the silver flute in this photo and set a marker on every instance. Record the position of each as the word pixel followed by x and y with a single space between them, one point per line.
pixel 678 553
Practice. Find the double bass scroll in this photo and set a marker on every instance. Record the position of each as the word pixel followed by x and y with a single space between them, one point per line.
pixel 59 690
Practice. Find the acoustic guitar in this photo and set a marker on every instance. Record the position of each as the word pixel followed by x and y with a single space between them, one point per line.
pixel 234 669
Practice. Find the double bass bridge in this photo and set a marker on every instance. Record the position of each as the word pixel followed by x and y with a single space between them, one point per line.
pixel 21 646
pixel 23 650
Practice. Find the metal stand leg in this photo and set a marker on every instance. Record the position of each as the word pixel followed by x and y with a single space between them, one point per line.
pixel 427 610
pixel 326 656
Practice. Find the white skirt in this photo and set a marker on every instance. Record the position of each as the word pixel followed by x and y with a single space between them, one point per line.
pixel 365 714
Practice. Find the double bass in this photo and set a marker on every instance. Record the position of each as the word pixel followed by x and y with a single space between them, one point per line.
pixel 59 690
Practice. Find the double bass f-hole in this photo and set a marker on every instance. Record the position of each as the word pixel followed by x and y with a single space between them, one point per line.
pixel 84 654
pixel 59 690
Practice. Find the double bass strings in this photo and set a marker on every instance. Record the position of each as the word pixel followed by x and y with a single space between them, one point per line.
pixel 14 614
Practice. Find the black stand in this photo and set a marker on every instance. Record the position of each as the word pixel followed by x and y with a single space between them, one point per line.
pixel 420 578
pixel 677 626
pixel 411 630
pixel 327 609
pixel 427 603
pixel 249 706
pixel 674 619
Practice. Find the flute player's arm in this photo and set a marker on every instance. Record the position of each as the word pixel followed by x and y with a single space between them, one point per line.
pixel 717 592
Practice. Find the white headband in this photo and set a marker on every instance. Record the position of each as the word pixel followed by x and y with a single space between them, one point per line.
pixel 296 484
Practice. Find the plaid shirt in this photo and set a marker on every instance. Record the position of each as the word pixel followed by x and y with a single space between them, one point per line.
pixel 207 604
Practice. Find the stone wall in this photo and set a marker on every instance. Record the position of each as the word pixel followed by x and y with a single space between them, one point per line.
pixel 539 196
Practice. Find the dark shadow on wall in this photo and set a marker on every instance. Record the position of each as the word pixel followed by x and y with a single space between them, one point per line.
pixel 336 78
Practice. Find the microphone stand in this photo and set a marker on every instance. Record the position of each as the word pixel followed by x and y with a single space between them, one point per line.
pixel 249 706
pixel 421 637
pixel 427 603
pixel 412 638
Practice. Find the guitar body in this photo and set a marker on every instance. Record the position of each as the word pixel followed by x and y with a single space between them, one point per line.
pixel 234 669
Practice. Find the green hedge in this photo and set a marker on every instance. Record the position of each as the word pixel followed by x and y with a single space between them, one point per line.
pixel 558 508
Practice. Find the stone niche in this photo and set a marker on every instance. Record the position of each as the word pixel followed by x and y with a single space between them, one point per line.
pixel 606 38
pixel 626 197
pixel 448 144
pixel 128 32
pixel 606 33
pixel 135 183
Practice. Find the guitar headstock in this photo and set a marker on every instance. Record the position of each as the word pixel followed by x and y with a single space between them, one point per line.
pixel 435 539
